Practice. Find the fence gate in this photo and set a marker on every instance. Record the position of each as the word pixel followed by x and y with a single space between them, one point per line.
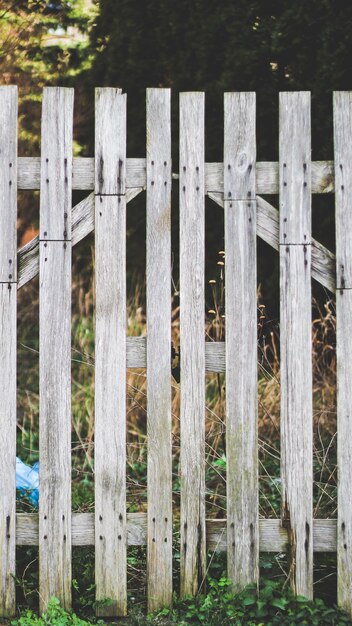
pixel 237 185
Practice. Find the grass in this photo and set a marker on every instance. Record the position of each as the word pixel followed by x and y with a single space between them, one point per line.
pixel 273 567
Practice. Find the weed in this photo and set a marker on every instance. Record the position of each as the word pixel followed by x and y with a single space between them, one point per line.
pixel 54 616
pixel 271 606
pixel 324 453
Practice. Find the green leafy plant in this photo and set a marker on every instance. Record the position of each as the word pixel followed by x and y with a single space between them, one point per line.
pixel 55 616
pixel 272 606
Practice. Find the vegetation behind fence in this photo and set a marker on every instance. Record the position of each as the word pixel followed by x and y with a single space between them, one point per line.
pixel 237 185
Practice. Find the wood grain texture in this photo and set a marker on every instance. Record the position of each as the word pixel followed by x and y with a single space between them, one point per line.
pixel 8 295
pixel 55 348
pixel 8 183
pixel 295 337
pixel 323 266
pixel 110 354
pixel 241 338
pixel 215 358
pixel 159 562
pixel 296 412
pixel 343 205
pixel 110 130
pixel 344 457
pixel 83 173
pixel 8 342
pixel 83 529
pixel 272 537
pixel 55 422
pixel 56 164
pixel 343 177
pixel 82 225
pixel 192 325
pixel 239 146
pixel 267 175
pixel 323 261
pixel 295 167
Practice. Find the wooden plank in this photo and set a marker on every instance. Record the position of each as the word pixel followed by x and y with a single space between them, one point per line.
pixel 7 447
pixel 323 266
pixel 272 537
pixel 267 175
pixel 55 348
pixel 239 146
pixel 343 177
pixel 192 412
pixel 136 355
pixel 344 449
pixel 82 225
pixel 295 168
pixel 241 338
pixel 110 165
pixel 8 343
pixel 215 360
pixel 159 563
pixel 323 261
pixel 110 354
pixel 8 183
pixel 295 337
pixel 83 529
pixel 83 173
pixel 56 165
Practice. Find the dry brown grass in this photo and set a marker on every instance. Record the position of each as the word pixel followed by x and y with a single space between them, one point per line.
pixel 324 403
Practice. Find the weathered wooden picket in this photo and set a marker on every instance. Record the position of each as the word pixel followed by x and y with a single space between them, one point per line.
pixel 237 185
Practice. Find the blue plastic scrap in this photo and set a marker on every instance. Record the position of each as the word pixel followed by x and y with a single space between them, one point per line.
pixel 27 481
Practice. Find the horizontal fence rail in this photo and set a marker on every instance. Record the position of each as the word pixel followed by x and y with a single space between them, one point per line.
pixel 267 175
pixel 273 537
pixel 238 185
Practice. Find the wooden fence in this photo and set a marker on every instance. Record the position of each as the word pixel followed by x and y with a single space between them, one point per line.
pixel 237 185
